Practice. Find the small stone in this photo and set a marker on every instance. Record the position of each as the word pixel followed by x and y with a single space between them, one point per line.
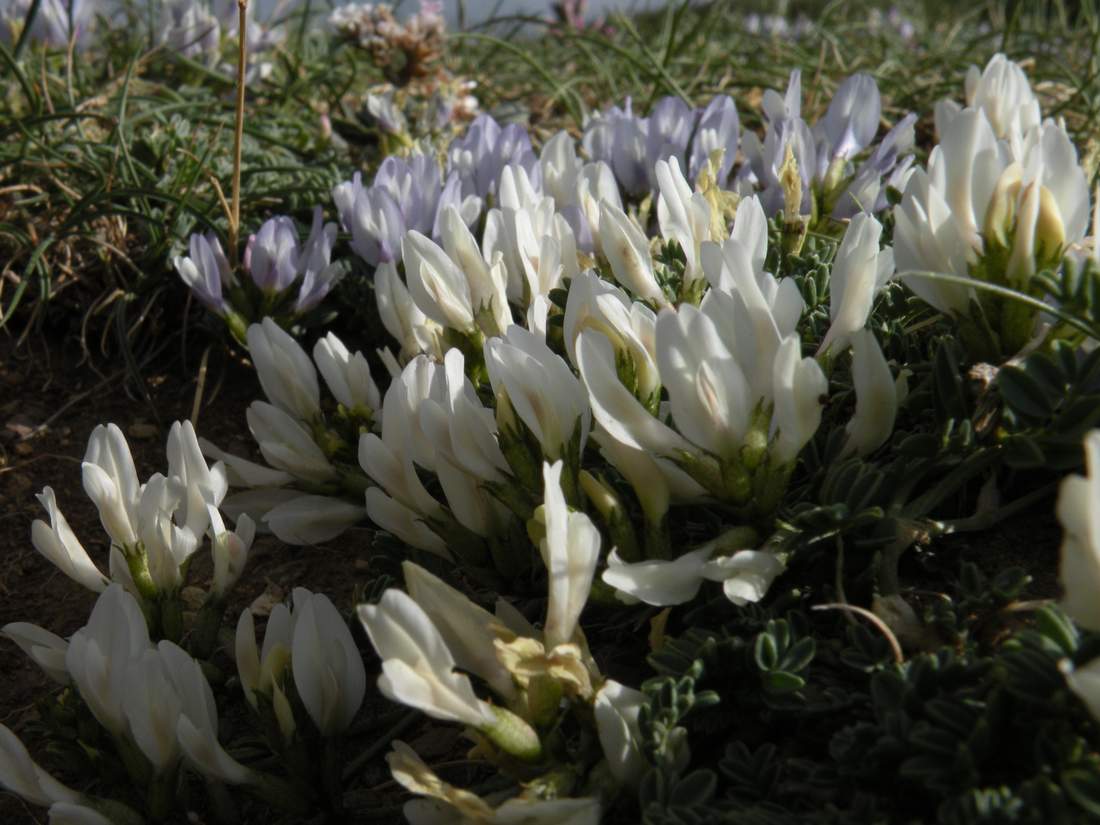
pixel 142 430
pixel 263 604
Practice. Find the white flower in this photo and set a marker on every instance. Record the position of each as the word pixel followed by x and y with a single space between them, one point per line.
pixel 200 745
pixel 271 256
pixel 263 672
pixel 230 550
pixel 391 515
pixel 311 519
pixel 710 398
pixel 400 315
pixel 203 486
pixel 751 309
pixel 1079 513
pixel 488 285
pixel 438 286
pixel 421 380
pixel 100 653
pixel 45 649
pixel 746 575
pixel 615 407
pixel 627 251
pixel 719 128
pixel 799 386
pixel 328 670
pixel 162 686
pixel 595 186
pixel 188 27
pixel 1023 204
pixel 20 775
pixel 110 481
pixel 346 374
pixel 1003 92
pixel 286 444
pixel 166 545
pixel 617 708
pixel 241 472
pixel 570 551
pixel 391 466
pixel 683 215
pixel 417 666
pixel 286 374
pixel 876 396
pixel 658 582
pixel 560 169
pixel 373 218
pixel 319 274
pixel 470 505
pixel 630 326
pixel 464 626
pixel 541 388
pixel 459 424
pixel 1085 682
pixel 57 542
pixel 641 470
pixel 859 271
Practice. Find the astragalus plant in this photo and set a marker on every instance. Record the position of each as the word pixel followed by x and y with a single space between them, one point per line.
pixel 720 396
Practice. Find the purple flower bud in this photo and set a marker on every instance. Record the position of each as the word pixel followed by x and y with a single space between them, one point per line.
pixel 272 254
pixel 319 274
pixel 205 271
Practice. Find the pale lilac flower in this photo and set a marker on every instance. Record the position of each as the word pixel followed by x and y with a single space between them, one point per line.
pixel 271 257
pixel 206 271
pixel 373 218
pixel 319 274
pixel 668 129
pixel 719 128
pixel 485 149
pixel 618 138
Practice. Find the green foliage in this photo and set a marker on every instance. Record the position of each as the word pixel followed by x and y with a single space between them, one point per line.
pixel 1051 400
pixel 962 732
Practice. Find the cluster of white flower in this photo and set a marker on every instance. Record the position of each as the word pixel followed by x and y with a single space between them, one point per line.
pixel 686 371
pixel 1003 196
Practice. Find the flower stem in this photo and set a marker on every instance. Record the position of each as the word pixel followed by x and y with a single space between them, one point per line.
pixel 238 133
